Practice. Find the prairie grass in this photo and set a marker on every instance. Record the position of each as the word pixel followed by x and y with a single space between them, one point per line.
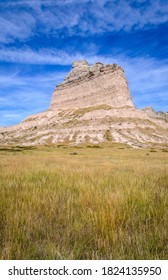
pixel 71 203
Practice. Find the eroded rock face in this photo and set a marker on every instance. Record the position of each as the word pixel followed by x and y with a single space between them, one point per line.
pixel 92 104
pixel 93 85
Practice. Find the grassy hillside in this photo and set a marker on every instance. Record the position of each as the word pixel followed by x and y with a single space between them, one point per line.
pixel 83 203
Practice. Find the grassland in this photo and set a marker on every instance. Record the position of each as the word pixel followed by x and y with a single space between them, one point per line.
pixel 83 203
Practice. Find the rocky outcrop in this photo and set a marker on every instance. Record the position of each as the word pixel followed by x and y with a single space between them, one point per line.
pixel 92 105
pixel 157 115
pixel 93 85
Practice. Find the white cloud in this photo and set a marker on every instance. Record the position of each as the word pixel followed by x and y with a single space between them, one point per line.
pixel 22 19
pixel 21 96
pixel 16 26
pixel 29 91
pixel 43 56
pixel 92 17
pixel 15 79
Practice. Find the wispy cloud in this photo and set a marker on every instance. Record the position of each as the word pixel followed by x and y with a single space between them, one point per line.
pixel 22 19
pixel 16 26
pixel 21 96
pixel 42 56
pixel 16 79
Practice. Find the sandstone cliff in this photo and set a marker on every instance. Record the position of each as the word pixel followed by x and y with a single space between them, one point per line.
pixel 92 105
pixel 93 85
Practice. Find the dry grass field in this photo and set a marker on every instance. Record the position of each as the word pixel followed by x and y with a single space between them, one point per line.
pixel 84 203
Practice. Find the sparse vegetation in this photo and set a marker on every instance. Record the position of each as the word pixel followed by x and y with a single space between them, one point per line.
pixel 94 146
pixel 152 150
pixel 108 135
pixel 83 111
pixel 73 153
pixel 164 150
pixel 104 203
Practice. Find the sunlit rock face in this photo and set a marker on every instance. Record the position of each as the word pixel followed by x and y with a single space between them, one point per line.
pixel 86 86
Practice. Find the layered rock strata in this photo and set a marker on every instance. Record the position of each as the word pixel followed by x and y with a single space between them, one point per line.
pixel 93 85
pixel 92 108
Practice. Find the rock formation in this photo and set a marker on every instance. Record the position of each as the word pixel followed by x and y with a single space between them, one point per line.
pixel 93 85
pixel 92 105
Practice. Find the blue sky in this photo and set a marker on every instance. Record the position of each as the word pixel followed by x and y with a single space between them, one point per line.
pixel 39 39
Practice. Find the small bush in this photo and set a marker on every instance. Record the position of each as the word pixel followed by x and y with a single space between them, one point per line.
pixel 73 153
